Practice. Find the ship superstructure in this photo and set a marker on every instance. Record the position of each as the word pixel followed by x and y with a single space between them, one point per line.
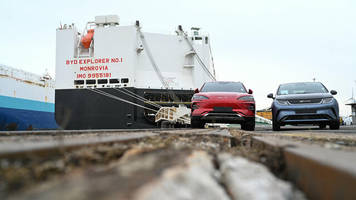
pixel 113 76
pixel 26 100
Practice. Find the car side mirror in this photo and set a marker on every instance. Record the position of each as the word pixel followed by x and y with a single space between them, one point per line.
pixel 333 92
pixel 270 95
pixel 196 91
pixel 250 91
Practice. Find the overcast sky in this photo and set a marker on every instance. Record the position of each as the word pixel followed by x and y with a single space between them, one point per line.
pixel 261 43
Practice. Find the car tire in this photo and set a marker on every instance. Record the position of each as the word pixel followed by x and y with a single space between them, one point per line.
pixel 276 126
pixel 249 124
pixel 194 123
pixel 322 126
pixel 335 125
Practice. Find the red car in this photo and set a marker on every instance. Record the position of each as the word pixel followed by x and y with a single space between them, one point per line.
pixel 223 102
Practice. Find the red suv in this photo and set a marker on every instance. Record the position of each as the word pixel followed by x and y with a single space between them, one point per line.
pixel 223 102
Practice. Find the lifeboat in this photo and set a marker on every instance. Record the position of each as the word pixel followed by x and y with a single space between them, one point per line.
pixel 86 40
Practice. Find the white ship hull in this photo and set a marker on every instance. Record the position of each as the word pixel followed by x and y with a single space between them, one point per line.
pixel 26 100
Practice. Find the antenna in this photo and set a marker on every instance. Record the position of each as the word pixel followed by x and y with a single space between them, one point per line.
pixel 353 90
pixel 352 93
pixel 314 79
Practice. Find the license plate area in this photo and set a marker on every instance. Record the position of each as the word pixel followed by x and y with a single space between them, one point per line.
pixel 308 111
pixel 223 109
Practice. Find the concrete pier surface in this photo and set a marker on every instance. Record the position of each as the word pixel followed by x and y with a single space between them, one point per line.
pixel 211 163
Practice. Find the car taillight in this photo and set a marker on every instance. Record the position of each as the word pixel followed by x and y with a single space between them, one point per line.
pixel 199 98
pixel 246 98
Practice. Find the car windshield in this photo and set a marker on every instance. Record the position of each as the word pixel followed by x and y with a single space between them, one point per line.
pixel 301 88
pixel 223 87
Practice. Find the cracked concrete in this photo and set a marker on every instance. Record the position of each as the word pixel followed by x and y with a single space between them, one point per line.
pixel 171 165
pixel 247 180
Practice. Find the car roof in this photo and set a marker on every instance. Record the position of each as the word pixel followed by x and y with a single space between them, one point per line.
pixel 299 82
pixel 223 82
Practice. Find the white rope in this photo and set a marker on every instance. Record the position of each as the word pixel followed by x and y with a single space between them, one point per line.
pixel 136 96
pixel 150 56
pixel 198 57
pixel 120 99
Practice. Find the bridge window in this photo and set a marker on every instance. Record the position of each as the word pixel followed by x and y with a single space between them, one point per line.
pixel 124 80
pixel 91 81
pixel 78 82
pixel 114 80
pixel 102 81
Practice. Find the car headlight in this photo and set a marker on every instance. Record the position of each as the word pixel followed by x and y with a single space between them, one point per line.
pixel 199 98
pixel 327 100
pixel 283 102
pixel 246 98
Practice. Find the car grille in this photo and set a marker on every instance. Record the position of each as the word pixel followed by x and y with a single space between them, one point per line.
pixel 305 111
pixel 305 101
pixel 306 117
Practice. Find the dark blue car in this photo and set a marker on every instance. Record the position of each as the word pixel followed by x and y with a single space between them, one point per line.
pixel 304 103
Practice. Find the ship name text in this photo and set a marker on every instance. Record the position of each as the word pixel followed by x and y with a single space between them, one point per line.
pixel 93 61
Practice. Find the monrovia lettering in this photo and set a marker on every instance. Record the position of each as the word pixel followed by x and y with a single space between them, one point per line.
pixel 94 68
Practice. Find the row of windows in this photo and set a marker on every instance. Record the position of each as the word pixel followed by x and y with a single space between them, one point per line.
pixel 200 39
pixel 101 81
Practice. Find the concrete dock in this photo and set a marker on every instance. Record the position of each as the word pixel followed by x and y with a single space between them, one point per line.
pixel 212 163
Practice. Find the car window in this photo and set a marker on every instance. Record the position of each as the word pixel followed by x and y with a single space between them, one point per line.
pixel 224 87
pixel 301 88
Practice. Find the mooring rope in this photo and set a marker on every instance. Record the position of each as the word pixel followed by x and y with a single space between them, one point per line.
pixel 136 96
pixel 119 99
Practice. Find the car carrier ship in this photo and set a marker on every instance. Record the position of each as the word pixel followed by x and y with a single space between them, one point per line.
pixel 26 100
pixel 113 76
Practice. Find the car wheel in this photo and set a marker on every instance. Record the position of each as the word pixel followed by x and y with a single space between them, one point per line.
pixel 322 126
pixel 194 123
pixel 335 125
pixel 276 126
pixel 249 124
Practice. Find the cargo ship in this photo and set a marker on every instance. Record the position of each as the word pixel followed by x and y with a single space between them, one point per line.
pixel 114 76
pixel 26 100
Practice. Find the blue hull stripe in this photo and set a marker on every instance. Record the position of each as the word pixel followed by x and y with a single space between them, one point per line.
pixel 26 119
pixel 25 104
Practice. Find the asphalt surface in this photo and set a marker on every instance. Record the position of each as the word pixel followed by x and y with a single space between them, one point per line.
pixel 342 139
pixel 302 128
pixel 343 129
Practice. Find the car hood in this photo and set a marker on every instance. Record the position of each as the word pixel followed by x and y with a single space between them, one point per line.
pixel 223 95
pixel 304 96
